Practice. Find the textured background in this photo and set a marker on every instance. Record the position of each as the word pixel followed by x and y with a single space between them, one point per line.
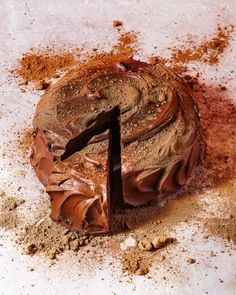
pixel 24 24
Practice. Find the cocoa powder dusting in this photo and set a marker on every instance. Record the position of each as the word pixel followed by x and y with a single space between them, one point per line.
pixel 208 51
pixel 9 218
pixel 47 238
pixel 135 262
pixel 126 47
pixel 39 66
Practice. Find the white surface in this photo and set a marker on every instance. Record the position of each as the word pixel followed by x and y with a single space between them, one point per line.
pixel 24 24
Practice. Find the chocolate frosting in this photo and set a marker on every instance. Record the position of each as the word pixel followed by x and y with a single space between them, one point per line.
pixel 159 132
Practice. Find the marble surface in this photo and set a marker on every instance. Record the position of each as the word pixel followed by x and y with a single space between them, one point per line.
pixel 26 24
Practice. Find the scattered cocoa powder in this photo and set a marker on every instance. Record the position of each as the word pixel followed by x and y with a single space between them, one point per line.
pixel 9 218
pixel 25 141
pixel 12 203
pixel 50 239
pixel 39 66
pixel 126 47
pixel 135 262
pixel 223 227
pixel 35 66
pixel 208 51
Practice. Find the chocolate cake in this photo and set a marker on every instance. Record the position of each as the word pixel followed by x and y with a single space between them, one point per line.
pixel 115 135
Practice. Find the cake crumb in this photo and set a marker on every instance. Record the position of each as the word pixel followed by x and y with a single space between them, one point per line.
pixel 41 85
pixel 117 23
pixel 191 261
pixel 145 245
pixel 161 241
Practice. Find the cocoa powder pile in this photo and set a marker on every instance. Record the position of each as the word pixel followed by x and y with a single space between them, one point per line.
pixel 208 51
pixel 137 260
pixel 49 239
pixel 40 66
pixel 9 218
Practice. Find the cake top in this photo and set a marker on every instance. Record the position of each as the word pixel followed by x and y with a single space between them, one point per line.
pixel 149 98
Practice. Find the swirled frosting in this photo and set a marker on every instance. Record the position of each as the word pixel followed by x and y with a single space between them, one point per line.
pixel 160 141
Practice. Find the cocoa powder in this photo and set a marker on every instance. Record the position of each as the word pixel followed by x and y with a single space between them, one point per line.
pixel 208 50
pixel 9 218
pixel 47 238
pixel 39 66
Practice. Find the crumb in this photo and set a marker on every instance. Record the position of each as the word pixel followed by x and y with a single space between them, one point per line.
pixel 153 60
pixel 41 85
pixel 191 261
pixel 161 241
pixel 117 23
pixel 145 245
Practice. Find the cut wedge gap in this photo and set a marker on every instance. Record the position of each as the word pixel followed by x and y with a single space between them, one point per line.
pixel 116 191
pixel 104 121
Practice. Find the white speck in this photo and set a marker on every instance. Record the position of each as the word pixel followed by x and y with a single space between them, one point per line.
pixel 129 242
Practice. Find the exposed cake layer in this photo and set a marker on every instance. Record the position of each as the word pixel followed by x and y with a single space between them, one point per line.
pixel 159 132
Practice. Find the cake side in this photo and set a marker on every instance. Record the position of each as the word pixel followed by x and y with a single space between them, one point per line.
pixel 79 189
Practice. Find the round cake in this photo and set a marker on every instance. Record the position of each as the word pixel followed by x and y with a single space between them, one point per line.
pixel 114 135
